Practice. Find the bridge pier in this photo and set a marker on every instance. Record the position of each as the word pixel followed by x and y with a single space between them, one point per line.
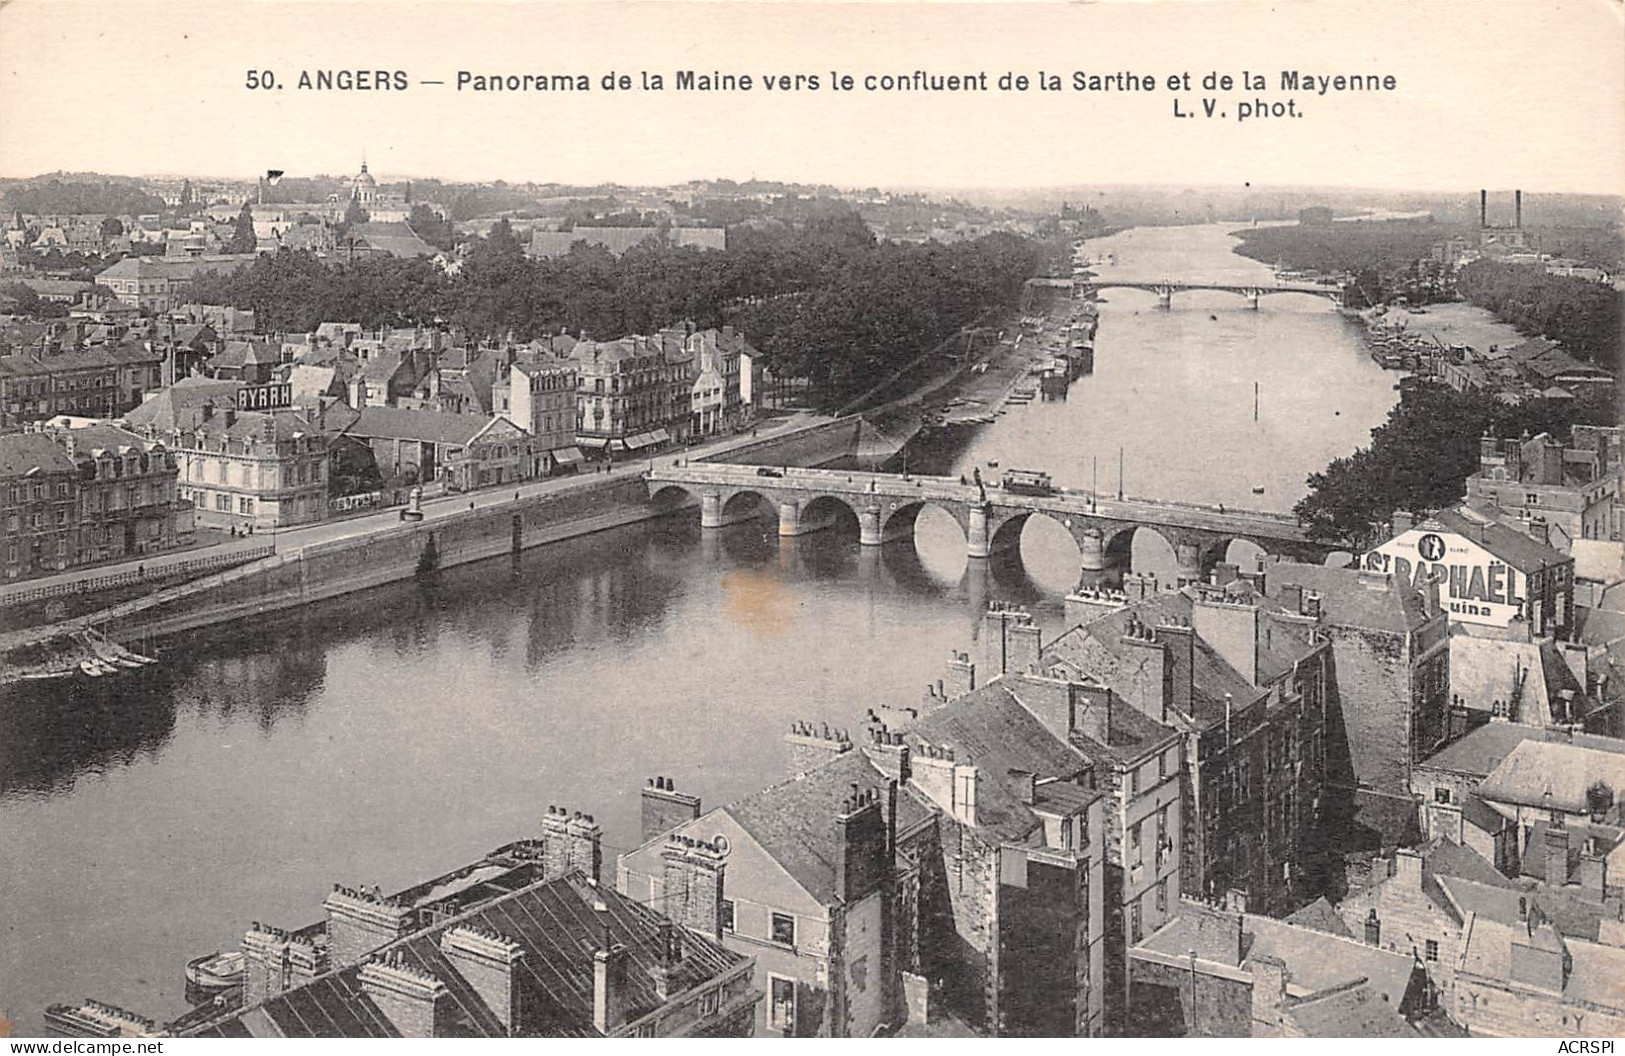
pixel 789 519
pixel 976 536
pixel 711 509
pixel 1092 557
pixel 1189 556
pixel 872 533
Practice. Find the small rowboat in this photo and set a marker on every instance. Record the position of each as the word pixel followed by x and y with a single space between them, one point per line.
pixel 217 971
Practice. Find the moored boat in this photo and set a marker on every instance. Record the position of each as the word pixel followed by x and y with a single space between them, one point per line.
pixel 217 971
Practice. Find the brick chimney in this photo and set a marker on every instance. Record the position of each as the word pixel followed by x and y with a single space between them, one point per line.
pixel 1217 935
pixel 1408 869
pixel 665 808
pixel 960 677
pixel 1270 977
pixel 1557 856
pixel 360 920
pixel 1231 628
pixel 862 843
pixel 1146 662
pixel 265 968
pixel 693 874
pixel 1593 877
pixel 668 958
pixel 1179 642
pixel 490 963
pixel 1011 640
pixel 571 841
pixel 413 1000
pixel 808 747
pixel 888 752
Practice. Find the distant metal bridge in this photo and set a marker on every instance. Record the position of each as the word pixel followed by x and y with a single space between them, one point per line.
pixel 1253 292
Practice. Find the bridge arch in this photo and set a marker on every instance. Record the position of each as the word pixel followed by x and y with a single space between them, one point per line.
pixel 746 504
pixel 824 511
pixel 897 519
pixel 1005 535
pixel 671 497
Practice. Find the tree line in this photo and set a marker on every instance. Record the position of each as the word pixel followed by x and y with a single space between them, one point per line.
pixel 1420 458
pixel 77 196
pixel 1584 316
pixel 821 299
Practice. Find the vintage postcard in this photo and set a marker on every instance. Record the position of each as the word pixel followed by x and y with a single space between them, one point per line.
pixel 839 520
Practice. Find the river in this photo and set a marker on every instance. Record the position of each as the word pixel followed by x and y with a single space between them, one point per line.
pixel 390 736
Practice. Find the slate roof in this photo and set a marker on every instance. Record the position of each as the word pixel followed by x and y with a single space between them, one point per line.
pixel 1352 1012
pixel 1529 675
pixel 1506 543
pixel 1482 750
pixel 556 924
pixel 1352 598
pixel 989 729
pixel 794 821
pixel 1096 649
pixel 397 423
pixel 1321 916
pixel 395 238
pixel 180 406
pixel 21 452
pixel 1536 770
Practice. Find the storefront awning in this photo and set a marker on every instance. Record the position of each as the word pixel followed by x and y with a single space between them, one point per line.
pixel 596 443
pixel 639 441
pixel 569 456
pixel 660 436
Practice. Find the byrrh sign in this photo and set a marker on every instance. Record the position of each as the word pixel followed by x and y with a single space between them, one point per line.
pixel 1474 584
pixel 265 397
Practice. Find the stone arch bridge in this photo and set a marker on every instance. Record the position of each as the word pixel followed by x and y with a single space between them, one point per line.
pixel 1253 292
pixel 887 505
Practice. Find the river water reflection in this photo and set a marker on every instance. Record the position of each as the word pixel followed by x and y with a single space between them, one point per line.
pixel 393 735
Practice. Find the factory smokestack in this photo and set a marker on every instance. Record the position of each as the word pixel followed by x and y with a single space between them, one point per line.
pixel 1517 209
pixel 1483 208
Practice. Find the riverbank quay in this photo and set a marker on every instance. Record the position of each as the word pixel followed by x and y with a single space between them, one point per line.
pixel 327 560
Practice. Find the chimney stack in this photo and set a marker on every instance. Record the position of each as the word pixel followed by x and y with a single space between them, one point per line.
pixel 1483 208
pixel 693 874
pixel 608 980
pixel 490 963
pixel 1270 976
pixel 571 841
pixel 361 920
pixel 809 747
pixel 414 1001
pixel 1557 856
pixel 665 808
pixel 1517 209
pixel 862 864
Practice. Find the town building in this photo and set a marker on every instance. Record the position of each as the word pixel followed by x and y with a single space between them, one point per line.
pixel 539 395
pixel 1221 972
pixel 243 469
pixel 1493 578
pixel 624 395
pixel 49 371
pixel 1249 688
pixel 127 492
pixel 156 284
pixel 799 876
pixel 1556 493
pixel 39 485
pixel 1391 656
pixel 1527 979
pixel 465 451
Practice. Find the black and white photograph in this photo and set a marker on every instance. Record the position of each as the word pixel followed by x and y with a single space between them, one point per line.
pixel 841 519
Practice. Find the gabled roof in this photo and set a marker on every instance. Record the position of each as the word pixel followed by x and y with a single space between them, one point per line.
pixel 1350 597
pixel 180 406
pixel 1321 916
pixel 1482 750
pixel 1355 1011
pixel 989 729
pixel 795 821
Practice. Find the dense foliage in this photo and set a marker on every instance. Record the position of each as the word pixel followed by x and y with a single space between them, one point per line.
pixel 72 196
pixel 821 299
pixel 1420 459
pixel 1584 316
pixel 1386 247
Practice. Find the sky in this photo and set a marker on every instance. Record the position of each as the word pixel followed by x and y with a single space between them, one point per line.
pixel 1488 92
